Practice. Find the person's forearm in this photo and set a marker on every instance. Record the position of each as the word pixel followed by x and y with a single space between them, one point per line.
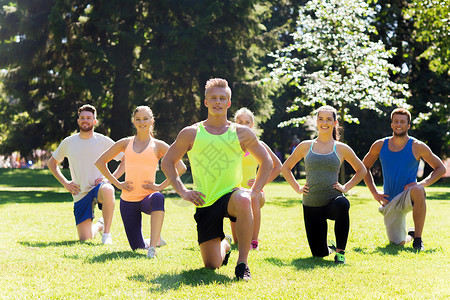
pixel 104 170
pixel 273 174
pixel 355 179
pixel 368 179
pixel 287 174
pixel 433 176
pixel 57 173
pixel 172 176
pixel 262 175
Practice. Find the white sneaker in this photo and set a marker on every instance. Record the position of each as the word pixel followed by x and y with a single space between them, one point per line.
pixel 151 252
pixel 107 239
pixel 160 243
pixel 101 224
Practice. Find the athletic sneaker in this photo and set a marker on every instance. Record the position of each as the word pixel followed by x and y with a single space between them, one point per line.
pixel 227 255
pixel 242 272
pixel 412 232
pixel 160 243
pixel 107 239
pixel 151 252
pixel 340 258
pixel 255 245
pixel 418 244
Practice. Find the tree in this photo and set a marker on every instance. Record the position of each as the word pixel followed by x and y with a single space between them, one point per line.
pixel 432 26
pixel 401 25
pixel 333 61
pixel 59 54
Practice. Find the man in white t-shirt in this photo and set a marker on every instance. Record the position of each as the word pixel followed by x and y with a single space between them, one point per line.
pixel 88 186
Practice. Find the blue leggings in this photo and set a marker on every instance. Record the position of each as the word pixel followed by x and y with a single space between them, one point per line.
pixel 132 217
pixel 316 225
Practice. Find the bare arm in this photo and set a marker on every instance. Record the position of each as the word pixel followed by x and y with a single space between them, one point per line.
pixel 433 160
pixel 72 187
pixel 360 170
pixel 106 157
pixel 250 143
pixel 299 153
pixel 276 167
pixel 161 150
pixel 368 161
pixel 176 151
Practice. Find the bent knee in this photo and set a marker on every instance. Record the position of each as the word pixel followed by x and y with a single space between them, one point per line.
pixel 107 189
pixel 418 190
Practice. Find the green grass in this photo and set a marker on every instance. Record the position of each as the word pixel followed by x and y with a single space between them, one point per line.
pixel 41 257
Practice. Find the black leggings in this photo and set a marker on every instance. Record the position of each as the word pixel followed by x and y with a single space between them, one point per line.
pixel 316 225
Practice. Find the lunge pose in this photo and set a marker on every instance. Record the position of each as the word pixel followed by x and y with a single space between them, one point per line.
pixel 400 155
pixel 322 194
pixel 215 148
pixel 140 193
pixel 87 185
pixel 249 166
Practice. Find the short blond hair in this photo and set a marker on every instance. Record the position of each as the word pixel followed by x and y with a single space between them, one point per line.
pixel 401 111
pixel 245 111
pixel 217 82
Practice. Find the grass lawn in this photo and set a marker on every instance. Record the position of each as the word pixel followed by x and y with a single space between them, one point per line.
pixel 41 257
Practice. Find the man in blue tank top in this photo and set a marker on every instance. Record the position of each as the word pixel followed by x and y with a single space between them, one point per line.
pixel 400 155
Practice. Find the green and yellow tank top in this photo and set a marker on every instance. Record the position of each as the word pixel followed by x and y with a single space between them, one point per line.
pixel 216 163
pixel 249 166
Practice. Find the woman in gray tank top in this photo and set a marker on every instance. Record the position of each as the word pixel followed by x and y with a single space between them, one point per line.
pixel 323 197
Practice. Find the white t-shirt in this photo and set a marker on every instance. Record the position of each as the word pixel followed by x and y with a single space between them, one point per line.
pixel 82 155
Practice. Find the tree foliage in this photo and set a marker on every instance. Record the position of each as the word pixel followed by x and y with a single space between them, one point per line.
pixel 333 60
pixel 60 54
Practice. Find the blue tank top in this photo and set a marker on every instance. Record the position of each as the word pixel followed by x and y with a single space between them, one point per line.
pixel 399 168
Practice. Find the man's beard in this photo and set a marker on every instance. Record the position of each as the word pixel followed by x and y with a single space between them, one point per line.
pixel 400 134
pixel 87 129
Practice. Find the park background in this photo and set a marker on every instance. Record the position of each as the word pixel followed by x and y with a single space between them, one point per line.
pixel 283 59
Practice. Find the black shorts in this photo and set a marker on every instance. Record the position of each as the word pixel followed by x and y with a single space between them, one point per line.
pixel 210 219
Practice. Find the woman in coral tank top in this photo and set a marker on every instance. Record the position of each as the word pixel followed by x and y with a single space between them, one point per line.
pixel 140 193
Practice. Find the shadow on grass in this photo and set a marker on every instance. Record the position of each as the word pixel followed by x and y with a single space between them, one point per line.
pixel 307 263
pixel 52 244
pixel 119 255
pixel 438 196
pixel 33 197
pixel 111 256
pixel 392 249
pixel 196 277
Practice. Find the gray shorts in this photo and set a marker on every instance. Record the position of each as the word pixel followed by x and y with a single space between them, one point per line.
pixel 395 216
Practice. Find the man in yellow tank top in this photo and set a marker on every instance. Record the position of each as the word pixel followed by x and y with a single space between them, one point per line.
pixel 215 148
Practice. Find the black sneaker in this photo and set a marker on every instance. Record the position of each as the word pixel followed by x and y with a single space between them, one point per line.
pixel 242 272
pixel 411 232
pixel 227 255
pixel 340 258
pixel 418 244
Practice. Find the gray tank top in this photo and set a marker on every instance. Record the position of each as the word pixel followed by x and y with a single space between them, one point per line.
pixel 322 172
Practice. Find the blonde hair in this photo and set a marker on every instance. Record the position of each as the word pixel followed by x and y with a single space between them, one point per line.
pixel 401 111
pixel 217 82
pixel 144 107
pixel 337 128
pixel 245 111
